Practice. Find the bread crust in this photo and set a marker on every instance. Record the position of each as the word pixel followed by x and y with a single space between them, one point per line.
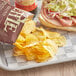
pixel 48 24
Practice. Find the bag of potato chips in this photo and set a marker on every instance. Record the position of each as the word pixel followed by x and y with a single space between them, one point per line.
pixel 12 20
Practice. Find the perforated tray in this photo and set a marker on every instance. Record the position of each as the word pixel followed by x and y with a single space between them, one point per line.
pixel 67 53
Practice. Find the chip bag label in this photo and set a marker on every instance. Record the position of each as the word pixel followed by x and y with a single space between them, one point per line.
pixel 11 22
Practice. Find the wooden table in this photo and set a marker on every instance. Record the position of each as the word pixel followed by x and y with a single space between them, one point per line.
pixel 64 69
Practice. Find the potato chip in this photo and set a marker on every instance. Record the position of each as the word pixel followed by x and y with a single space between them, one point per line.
pixel 39 49
pixel 50 50
pixel 20 39
pixel 42 58
pixel 39 35
pixel 60 41
pixel 28 28
pixel 49 34
pixel 41 54
pixel 18 52
pixel 50 46
pixel 53 34
pixel 18 45
pixel 36 53
pixel 31 40
pixel 57 38
pixel 37 43
pixel 29 54
pixel 43 31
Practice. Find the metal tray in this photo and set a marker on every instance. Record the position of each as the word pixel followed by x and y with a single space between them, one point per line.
pixel 11 63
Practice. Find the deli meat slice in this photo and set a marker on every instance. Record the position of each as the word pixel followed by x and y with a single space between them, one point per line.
pixel 49 19
pixel 65 22
pixel 74 20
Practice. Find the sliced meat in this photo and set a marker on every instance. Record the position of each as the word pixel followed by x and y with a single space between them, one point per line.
pixel 74 20
pixel 52 14
pixel 64 22
pixel 49 19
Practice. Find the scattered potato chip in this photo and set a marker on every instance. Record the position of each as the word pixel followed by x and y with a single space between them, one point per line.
pixel 50 46
pixel 28 28
pixel 18 52
pixel 57 38
pixel 29 53
pixel 42 58
pixel 60 41
pixel 18 45
pixel 31 39
pixel 41 54
pixel 43 31
pixel 39 35
pixel 20 39
pixel 53 34
pixel 37 43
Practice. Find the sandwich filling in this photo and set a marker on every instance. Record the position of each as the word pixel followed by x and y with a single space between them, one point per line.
pixel 64 11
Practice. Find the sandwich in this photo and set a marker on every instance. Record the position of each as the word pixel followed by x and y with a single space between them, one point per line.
pixel 60 14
